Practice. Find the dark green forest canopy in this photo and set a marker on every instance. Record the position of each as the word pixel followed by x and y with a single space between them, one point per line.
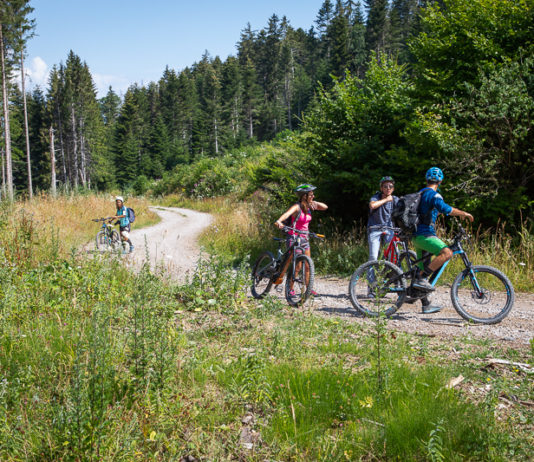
pixel 372 88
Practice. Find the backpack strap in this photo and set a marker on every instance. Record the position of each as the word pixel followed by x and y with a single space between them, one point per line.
pixel 294 222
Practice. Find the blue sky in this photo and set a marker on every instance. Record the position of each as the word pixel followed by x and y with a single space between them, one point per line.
pixel 128 41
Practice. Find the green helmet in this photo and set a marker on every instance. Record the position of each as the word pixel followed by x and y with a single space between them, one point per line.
pixel 302 189
pixel 386 178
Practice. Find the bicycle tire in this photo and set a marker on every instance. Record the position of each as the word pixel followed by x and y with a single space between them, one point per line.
pixel 411 255
pixel 262 272
pixel 101 241
pixel 298 282
pixel 369 290
pixel 115 240
pixel 497 298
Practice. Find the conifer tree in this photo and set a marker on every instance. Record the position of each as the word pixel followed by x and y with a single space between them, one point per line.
pixel 377 25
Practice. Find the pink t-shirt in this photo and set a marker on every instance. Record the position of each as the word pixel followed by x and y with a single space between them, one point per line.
pixel 302 223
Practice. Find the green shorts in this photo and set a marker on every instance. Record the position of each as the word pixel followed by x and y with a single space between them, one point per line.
pixel 432 244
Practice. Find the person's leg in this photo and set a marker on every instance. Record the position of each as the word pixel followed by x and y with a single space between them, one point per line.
pixel 373 240
pixel 435 246
pixel 125 235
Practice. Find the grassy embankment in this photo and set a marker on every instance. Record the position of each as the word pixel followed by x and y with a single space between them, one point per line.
pixel 97 363
pixel 245 228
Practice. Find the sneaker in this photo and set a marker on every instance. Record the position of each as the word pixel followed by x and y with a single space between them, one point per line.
pixel 292 293
pixel 429 309
pixel 423 284
pixel 315 294
pixel 131 249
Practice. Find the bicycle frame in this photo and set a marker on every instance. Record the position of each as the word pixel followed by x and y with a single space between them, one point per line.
pixel 457 249
pixel 287 258
pixel 391 253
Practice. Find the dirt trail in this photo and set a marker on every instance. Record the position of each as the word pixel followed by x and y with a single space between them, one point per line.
pixel 172 243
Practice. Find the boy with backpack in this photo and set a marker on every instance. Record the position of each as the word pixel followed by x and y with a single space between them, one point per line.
pixel 425 239
pixel 123 215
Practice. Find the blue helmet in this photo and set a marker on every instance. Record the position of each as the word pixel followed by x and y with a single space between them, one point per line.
pixel 434 174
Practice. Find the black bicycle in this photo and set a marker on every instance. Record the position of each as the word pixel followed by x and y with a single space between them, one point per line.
pixel 300 270
pixel 480 294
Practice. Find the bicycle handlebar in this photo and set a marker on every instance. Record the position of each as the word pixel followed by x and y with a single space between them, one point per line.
pixel 102 219
pixel 300 231
pixel 389 228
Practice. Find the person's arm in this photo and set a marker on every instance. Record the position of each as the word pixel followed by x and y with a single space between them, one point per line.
pixel 293 209
pixel 318 205
pixel 375 204
pixel 460 213
pixel 446 209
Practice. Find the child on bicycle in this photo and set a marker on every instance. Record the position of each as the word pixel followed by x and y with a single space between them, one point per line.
pixel 124 222
pixel 301 215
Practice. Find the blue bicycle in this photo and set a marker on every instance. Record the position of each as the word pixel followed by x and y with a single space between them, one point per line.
pixel 107 238
pixel 480 294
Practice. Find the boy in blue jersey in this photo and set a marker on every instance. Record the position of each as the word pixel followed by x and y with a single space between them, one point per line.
pixel 431 205
pixel 124 222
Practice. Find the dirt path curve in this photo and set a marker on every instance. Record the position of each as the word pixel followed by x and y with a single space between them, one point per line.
pixel 172 243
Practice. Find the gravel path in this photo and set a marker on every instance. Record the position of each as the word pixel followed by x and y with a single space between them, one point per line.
pixel 172 244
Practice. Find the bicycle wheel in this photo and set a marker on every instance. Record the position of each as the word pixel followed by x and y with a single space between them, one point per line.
pixel 403 257
pixel 299 284
pixel 102 241
pixel 262 272
pixel 372 291
pixel 115 240
pixel 482 294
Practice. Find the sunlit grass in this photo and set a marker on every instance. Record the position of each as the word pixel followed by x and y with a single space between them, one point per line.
pixel 69 216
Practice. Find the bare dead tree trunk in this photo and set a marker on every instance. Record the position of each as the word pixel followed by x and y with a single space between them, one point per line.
pixel 7 131
pixel 26 129
pixel 83 170
pixel 74 146
pixel 61 146
pixel 3 173
pixel 52 163
pixel 250 123
pixel 216 135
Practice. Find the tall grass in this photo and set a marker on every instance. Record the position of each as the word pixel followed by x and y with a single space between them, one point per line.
pixel 69 216
pixel 97 363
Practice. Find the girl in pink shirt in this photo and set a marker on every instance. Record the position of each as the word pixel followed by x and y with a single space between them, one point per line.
pixel 300 214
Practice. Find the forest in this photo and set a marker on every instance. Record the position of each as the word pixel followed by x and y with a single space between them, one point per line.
pixel 373 88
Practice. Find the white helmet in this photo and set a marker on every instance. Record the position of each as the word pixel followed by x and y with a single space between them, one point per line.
pixel 119 198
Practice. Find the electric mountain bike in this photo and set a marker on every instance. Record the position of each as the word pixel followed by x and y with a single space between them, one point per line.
pixel 293 263
pixel 107 238
pixel 480 294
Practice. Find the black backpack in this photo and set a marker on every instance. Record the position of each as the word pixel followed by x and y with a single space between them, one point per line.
pixel 406 214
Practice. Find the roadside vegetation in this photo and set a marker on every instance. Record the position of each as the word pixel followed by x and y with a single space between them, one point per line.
pixel 244 220
pixel 100 363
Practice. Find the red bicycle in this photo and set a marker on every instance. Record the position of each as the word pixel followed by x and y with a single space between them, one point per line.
pixel 395 252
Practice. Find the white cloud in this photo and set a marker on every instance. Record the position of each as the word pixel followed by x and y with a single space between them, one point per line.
pixel 104 81
pixel 37 72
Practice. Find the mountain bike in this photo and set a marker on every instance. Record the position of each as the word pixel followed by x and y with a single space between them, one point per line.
pixel 396 252
pixel 300 270
pixel 107 238
pixel 480 294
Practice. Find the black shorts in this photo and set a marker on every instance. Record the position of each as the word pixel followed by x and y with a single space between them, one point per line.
pixel 124 228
